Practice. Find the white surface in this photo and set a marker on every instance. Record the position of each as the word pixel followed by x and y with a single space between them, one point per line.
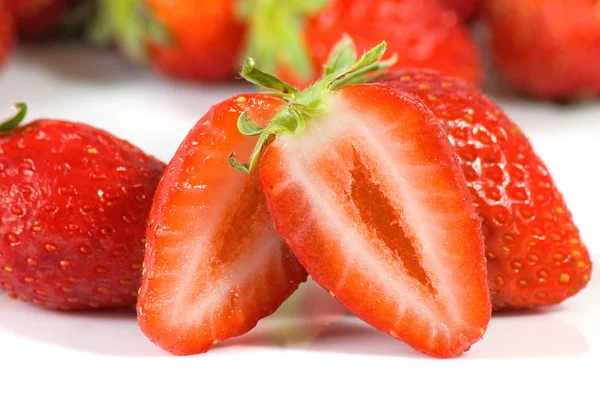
pixel 316 352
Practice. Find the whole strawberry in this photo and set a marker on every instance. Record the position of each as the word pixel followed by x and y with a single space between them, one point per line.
pixel 535 255
pixel 75 205
pixel 185 39
pixel 6 32
pixel 549 49
pixel 293 39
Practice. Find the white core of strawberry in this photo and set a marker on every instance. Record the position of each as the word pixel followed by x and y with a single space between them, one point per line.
pixel 322 143
pixel 197 296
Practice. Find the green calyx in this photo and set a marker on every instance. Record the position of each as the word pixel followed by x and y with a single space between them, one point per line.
pixel 276 33
pixel 130 25
pixel 13 122
pixel 343 69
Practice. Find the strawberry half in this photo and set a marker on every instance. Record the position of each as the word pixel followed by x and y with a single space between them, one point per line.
pixel 535 254
pixel 364 187
pixel 214 264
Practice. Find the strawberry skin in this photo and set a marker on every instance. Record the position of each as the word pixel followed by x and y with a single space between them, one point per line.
pixel 548 49
pixel 371 200
pixel 418 31
pixel 534 251
pixel 75 202
pixel 466 10
pixel 214 265
pixel 7 33
pixel 38 19
pixel 205 39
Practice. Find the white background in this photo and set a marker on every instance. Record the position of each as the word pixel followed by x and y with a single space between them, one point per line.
pixel 310 349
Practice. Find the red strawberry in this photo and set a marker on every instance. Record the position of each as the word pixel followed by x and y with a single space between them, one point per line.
pixel 187 39
pixel 38 19
pixel 293 39
pixel 534 252
pixel 7 34
pixel 549 49
pixel 214 264
pixel 365 189
pixel 75 204
pixel 465 9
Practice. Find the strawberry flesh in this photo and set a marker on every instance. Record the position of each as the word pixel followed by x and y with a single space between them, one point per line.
pixel 372 202
pixel 214 264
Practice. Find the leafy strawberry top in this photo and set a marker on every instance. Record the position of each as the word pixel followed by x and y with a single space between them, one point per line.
pixel 343 69
pixel 276 33
pixel 13 122
pixel 130 24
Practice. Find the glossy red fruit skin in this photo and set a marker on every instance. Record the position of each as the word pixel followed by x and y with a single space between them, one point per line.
pixel 534 251
pixel 467 10
pixel 207 39
pixel 38 19
pixel 75 205
pixel 420 32
pixel 548 49
pixel 7 33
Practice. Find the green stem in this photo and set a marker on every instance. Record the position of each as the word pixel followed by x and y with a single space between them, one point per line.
pixel 14 121
pixel 276 35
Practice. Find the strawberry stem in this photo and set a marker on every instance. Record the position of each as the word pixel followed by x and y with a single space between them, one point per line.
pixel 342 70
pixel 13 122
pixel 251 73
pixel 276 33
pixel 130 24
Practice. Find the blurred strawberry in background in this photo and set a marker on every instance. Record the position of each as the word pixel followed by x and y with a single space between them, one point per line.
pixel 293 39
pixel 466 10
pixel 44 19
pixel 37 19
pixel 187 39
pixel 6 32
pixel 548 49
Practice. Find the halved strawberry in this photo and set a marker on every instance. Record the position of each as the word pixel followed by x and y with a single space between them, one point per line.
pixel 214 264
pixel 363 185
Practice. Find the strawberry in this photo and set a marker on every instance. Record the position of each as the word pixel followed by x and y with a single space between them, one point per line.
pixel 214 264
pixel 364 187
pixel 185 39
pixel 465 9
pixel 549 49
pixel 293 39
pixel 38 19
pixel 76 201
pixel 6 32
pixel 534 251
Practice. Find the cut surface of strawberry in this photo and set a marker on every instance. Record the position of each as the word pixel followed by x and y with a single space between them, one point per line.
pixel 363 185
pixel 214 264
